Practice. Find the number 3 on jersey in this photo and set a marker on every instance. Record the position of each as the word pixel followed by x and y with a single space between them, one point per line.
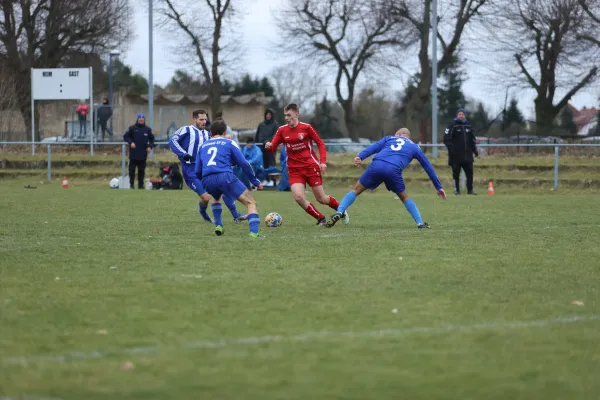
pixel 213 152
pixel 397 147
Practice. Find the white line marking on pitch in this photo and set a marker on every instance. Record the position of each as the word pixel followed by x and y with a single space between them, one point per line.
pixel 305 337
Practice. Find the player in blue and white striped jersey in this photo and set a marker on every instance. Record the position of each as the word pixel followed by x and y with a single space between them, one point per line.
pixel 185 143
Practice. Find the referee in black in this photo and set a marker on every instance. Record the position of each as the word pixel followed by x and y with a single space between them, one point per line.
pixel 141 141
pixel 460 141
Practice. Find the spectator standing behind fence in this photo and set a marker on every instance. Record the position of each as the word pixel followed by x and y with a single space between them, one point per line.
pixel 82 112
pixel 141 141
pixel 460 141
pixel 104 113
pixel 265 133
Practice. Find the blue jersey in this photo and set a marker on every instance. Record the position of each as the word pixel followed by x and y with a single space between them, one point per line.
pixel 400 151
pixel 187 141
pixel 217 156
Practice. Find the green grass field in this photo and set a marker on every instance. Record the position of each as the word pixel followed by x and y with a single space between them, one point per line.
pixel 115 294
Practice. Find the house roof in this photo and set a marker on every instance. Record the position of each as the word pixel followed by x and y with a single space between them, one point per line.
pixel 585 120
pixel 181 99
pixel 583 117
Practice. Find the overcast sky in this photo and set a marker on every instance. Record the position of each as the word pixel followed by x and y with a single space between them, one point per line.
pixel 259 32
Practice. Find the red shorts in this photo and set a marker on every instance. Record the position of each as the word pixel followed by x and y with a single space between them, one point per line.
pixel 310 175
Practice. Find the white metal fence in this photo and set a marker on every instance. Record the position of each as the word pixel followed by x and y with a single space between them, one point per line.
pixel 497 150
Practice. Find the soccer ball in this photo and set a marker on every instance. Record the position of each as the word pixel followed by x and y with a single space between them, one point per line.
pixel 114 183
pixel 273 220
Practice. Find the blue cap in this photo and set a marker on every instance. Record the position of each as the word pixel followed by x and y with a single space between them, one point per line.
pixel 141 115
pixel 461 110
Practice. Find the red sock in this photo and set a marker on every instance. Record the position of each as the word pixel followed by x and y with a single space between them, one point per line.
pixel 314 212
pixel 333 203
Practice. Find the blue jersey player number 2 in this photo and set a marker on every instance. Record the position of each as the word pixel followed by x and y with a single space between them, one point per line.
pixel 394 153
pixel 214 167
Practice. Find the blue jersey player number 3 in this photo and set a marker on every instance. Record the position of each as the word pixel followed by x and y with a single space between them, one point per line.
pixel 394 153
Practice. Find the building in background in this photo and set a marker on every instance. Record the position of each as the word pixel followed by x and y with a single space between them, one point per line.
pixel 60 119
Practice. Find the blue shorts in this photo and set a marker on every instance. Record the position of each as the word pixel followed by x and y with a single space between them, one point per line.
pixel 189 176
pixel 223 184
pixel 382 172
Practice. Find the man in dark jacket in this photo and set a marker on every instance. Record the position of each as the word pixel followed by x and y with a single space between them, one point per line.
pixel 104 113
pixel 264 133
pixel 460 141
pixel 141 141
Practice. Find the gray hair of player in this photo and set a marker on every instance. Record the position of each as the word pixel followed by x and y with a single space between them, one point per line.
pixel 403 132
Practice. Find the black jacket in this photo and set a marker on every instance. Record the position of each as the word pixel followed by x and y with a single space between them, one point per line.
pixel 266 129
pixel 104 112
pixel 460 141
pixel 143 138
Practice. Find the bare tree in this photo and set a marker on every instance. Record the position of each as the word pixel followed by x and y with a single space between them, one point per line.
pixel 8 103
pixel 417 13
pixel 205 38
pixel 44 33
pixel 592 10
pixel 545 38
pixel 350 35
pixel 294 85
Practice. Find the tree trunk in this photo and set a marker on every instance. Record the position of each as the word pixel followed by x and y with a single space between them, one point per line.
pixel 24 102
pixel 545 114
pixel 416 120
pixel 215 100
pixel 348 108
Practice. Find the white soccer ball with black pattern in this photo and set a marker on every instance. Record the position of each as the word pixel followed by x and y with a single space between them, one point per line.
pixel 273 220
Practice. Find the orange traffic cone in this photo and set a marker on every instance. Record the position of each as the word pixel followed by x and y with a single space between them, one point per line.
pixel 491 189
pixel 65 184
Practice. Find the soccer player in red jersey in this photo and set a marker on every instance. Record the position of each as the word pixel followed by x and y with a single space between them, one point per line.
pixel 303 165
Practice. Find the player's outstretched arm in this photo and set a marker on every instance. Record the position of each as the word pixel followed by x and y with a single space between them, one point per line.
pixel 424 161
pixel 272 146
pixel 372 149
pixel 174 141
pixel 239 160
pixel 314 136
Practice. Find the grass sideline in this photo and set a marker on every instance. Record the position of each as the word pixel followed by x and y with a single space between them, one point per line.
pixel 134 277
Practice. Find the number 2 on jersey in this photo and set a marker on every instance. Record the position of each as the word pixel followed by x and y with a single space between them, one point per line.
pixel 213 152
pixel 397 147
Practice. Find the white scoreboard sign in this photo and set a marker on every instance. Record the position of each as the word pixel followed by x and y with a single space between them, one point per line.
pixel 61 83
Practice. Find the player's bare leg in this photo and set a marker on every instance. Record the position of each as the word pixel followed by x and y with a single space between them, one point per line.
pixel 330 201
pixel 203 207
pixel 298 193
pixel 345 203
pixel 247 199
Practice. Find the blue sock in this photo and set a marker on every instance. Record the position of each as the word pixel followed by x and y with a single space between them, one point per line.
pixel 254 221
pixel 217 210
pixel 346 202
pixel 202 209
pixel 230 203
pixel 411 207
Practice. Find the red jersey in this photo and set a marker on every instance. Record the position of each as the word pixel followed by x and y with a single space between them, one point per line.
pixel 298 145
